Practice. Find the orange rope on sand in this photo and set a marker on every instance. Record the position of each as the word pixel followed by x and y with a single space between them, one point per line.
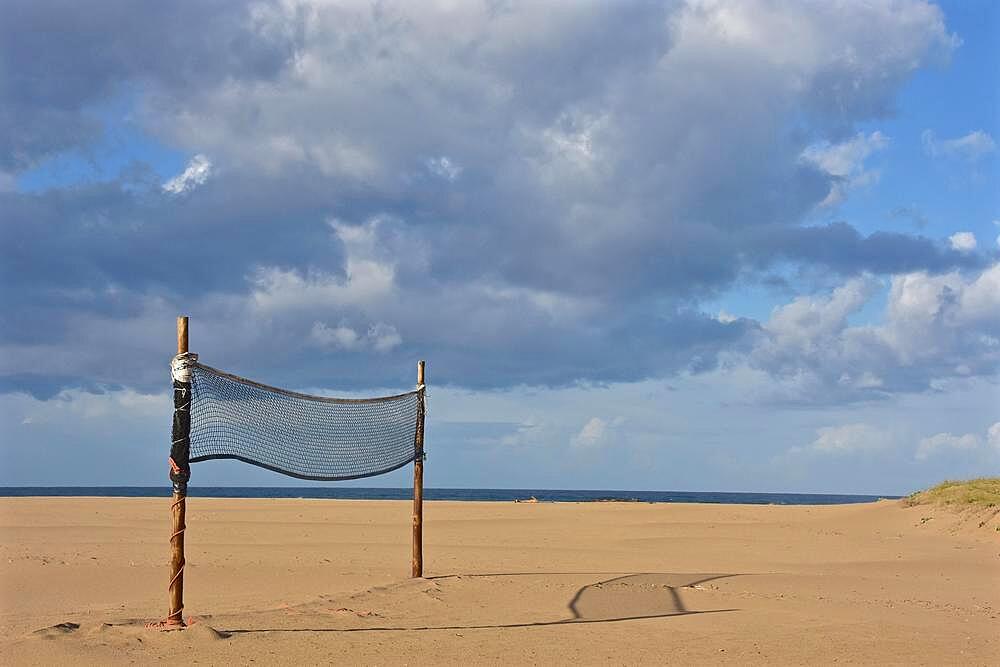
pixel 166 624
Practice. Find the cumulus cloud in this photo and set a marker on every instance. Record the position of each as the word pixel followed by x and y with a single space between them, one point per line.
pixel 845 162
pixel 933 327
pixel 551 137
pixel 841 449
pixel 865 439
pixel 943 442
pixel 597 432
pixel 196 173
pixel 278 290
pixel 384 337
pixel 949 444
pixel 963 241
pixel 341 336
pixel 971 146
pixel 531 193
pixel 850 439
pixel 380 337
pixel 993 436
pixel 367 276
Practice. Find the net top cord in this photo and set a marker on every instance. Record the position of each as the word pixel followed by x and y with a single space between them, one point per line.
pixel 300 435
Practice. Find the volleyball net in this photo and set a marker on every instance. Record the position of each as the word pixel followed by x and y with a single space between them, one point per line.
pixel 300 435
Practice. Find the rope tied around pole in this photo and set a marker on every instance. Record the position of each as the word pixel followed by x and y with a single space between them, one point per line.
pixel 181 365
pixel 422 390
pixel 180 570
pixel 175 617
pixel 421 455
pixel 181 372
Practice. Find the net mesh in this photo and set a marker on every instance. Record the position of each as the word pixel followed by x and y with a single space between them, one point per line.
pixel 309 437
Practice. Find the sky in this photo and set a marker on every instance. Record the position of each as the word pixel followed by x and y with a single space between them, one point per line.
pixel 700 245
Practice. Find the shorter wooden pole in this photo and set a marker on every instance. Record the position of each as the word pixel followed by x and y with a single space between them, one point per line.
pixel 418 487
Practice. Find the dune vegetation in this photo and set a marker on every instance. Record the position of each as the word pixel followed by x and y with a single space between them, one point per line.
pixel 981 492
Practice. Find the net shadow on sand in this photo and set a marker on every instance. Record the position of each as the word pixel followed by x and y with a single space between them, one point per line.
pixel 620 598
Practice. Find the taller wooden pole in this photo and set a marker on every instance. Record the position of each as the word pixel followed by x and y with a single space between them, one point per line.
pixel 418 486
pixel 175 614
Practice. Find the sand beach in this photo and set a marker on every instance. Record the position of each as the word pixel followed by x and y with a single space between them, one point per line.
pixel 299 581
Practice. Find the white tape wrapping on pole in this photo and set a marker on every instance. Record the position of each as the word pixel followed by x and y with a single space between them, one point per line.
pixel 181 365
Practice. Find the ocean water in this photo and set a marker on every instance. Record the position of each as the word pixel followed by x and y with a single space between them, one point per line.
pixel 499 495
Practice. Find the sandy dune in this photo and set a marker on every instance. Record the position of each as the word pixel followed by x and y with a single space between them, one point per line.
pixel 307 581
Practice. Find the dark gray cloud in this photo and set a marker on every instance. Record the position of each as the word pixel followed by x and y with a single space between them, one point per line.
pixel 523 193
pixel 60 60
pixel 841 247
